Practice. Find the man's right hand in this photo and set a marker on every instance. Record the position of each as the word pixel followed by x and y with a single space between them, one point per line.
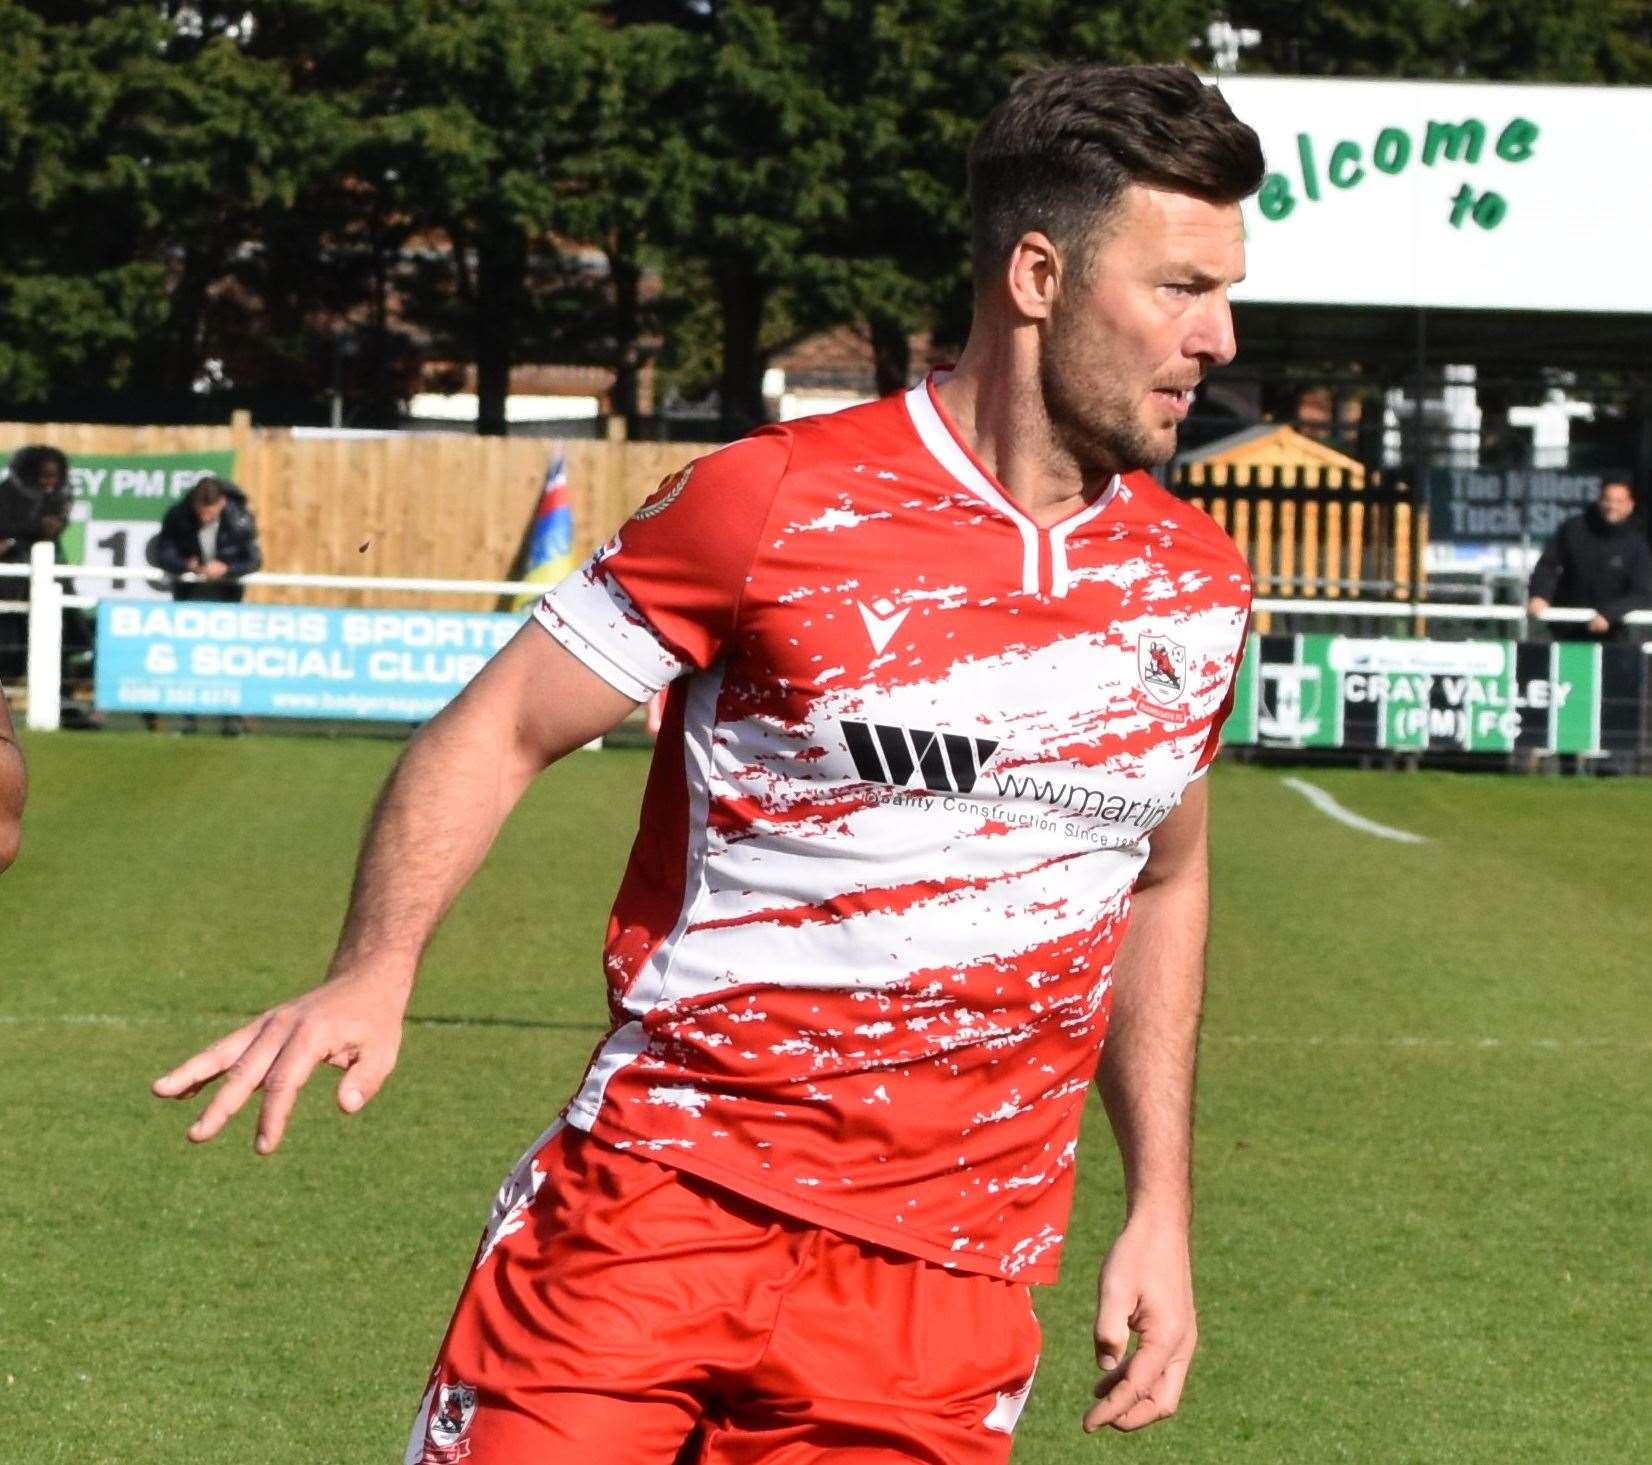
pixel 1536 605
pixel 353 1022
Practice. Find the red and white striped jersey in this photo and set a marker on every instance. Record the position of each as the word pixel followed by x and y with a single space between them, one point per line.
pixel 913 751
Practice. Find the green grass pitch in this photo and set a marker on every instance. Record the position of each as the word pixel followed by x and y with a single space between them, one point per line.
pixel 1425 1224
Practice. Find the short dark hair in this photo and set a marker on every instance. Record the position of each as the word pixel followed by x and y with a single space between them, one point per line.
pixel 209 488
pixel 1057 154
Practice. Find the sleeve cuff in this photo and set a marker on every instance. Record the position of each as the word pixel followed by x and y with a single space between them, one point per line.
pixel 596 622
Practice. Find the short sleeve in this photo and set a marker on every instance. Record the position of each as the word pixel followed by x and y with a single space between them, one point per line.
pixel 1213 739
pixel 662 596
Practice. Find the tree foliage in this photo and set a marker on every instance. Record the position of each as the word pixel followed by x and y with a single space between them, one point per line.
pixel 326 192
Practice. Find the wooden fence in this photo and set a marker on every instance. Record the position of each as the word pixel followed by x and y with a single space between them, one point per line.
pixel 453 506
pixel 1315 531
pixel 438 505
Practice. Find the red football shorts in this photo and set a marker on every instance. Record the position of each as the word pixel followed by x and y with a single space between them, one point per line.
pixel 621 1312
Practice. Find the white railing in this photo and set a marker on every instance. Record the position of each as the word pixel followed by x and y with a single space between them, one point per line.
pixel 47 601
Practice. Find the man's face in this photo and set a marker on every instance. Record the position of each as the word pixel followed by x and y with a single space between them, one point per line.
pixel 1129 339
pixel 50 476
pixel 208 513
pixel 1616 503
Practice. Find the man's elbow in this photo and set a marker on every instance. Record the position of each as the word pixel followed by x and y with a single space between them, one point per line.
pixel 11 840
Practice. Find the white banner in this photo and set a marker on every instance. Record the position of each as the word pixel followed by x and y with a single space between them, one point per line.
pixel 1449 194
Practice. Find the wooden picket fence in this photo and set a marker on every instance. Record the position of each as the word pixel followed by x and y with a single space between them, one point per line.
pixel 456 506
pixel 1314 531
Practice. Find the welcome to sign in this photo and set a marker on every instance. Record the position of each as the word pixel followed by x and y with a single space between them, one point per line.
pixel 1448 194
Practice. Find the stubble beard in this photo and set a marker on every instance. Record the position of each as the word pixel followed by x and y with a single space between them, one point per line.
pixel 1091 414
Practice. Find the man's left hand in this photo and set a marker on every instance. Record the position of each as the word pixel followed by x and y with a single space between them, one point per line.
pixel 215 569
pixel 1599 626
pixel 1146 1288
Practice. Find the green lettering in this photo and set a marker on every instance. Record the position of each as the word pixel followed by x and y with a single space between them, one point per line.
pixel 1514 143
pixel 1460 205
pixel 1393 150
pixel 1458 140
pixel 1305 155
pixel 1491 210
pixel 1276 199
pixel 1344 170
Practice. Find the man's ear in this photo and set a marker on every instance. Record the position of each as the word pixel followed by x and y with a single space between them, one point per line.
pixel 1032 275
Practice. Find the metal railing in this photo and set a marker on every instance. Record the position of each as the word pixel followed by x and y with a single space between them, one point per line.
pixel 47 601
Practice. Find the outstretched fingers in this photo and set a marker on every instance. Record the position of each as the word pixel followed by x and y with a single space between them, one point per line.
pixel 194 1074
pixel 242 1078
pixel 290 1071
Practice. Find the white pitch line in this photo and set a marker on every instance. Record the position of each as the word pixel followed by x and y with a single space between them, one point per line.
pixel 1331 808
pixel 1238 1040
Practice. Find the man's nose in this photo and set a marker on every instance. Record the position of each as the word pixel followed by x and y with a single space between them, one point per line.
pixel 1213 340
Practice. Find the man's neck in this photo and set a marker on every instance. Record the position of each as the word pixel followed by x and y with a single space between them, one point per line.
pixel 995 402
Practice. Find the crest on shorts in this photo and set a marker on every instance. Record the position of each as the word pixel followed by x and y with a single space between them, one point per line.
pixel 1162 665
pixel 450 1414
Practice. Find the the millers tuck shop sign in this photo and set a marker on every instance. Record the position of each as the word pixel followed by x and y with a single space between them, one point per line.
pixel 1448 194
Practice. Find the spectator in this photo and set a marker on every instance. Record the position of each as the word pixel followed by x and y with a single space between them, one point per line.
pixel 1598 560
pixel 210 533
pixel 34 509
pixel 34 506
pixel 13 786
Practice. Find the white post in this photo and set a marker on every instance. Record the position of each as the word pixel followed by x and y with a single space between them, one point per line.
pixel 45 640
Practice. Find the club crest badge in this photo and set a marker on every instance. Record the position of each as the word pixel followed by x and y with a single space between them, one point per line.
pixel 1162 665
pixel 451 1412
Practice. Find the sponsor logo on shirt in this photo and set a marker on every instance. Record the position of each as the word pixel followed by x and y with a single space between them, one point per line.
pixel 945 763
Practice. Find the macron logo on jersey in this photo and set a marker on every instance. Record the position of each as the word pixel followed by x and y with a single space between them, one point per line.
pixel 945 762
pixel 882 621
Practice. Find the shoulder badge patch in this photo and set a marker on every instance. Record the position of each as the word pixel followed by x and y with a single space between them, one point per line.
pixel 666 494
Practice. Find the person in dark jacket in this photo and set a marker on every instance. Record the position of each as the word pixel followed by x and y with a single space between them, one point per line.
pixel 34 507
pixel 211 533
pixel 1598 560
pixel 34 500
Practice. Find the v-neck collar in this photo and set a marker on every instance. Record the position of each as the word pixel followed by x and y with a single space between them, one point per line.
pixel 940 436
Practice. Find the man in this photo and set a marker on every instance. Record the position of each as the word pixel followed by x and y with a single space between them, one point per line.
pixel 1598 560
pixel 209 532
pixel 34 506
pixel 14 786
pixel 939 666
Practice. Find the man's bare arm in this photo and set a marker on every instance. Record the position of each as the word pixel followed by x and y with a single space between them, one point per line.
pixel 1146 1081
pixel 14 788
pixel 435 820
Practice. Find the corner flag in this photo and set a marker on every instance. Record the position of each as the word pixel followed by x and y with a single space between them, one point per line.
pixel 551 541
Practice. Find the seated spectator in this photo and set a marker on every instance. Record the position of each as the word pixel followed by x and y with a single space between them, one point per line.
pixel 13 786
pixel 1597 560
pixel 209 532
